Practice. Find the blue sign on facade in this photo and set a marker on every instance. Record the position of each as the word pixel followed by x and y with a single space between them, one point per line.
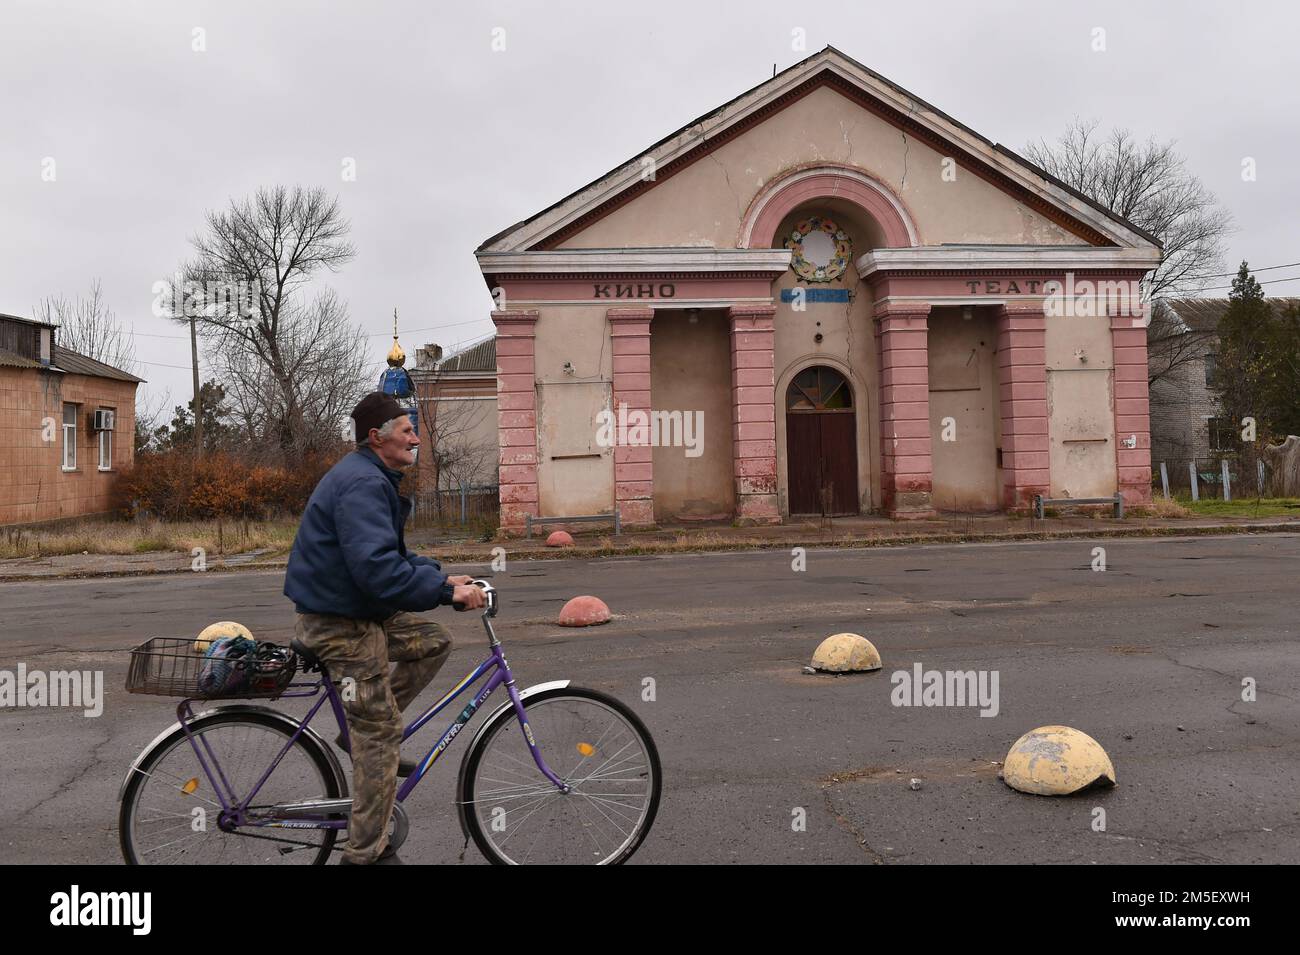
pixel 816 294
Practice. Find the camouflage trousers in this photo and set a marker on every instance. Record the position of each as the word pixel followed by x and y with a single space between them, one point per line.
pixel 363 650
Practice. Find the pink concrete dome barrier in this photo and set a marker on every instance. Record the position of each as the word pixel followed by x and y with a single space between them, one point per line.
pixel 559 539
pixel 585 611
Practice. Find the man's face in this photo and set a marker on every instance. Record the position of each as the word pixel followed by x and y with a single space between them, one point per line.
pixel 398 449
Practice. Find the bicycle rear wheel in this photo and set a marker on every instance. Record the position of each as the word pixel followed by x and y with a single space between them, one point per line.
pixel 598 746
pixel 171 815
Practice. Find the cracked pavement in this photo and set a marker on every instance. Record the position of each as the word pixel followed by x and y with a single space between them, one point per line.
pixel 1147 657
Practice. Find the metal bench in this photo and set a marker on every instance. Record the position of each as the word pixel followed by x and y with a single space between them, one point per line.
pixel 1041 502
pixel 530 520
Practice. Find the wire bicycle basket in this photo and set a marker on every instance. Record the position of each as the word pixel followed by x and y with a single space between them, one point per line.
pixel 226 669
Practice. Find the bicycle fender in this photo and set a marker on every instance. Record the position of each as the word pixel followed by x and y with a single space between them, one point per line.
pixel 539 687
pixel 284 718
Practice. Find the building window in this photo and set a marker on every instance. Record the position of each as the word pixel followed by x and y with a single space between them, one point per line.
pixel 1223 436
pixel 69 437
pixel 106 450
pixel 819 389
pixel 1209 369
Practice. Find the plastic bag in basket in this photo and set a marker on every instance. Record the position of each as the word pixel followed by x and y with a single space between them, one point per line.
pixel 225 665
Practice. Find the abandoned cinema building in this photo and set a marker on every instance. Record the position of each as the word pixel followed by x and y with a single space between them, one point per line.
pixel 865 306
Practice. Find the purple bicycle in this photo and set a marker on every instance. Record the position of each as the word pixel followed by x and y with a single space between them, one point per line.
pixel 558 774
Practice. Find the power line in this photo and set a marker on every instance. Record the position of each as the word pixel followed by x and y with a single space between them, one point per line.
pixel 183 338
pixel 161 364
pixel 429 328
pixel 1214 288
pixel 1266 268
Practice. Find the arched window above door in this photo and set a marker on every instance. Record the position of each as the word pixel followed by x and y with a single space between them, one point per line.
pixel 819 389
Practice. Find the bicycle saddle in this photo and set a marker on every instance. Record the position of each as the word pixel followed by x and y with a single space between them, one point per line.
pixel 310 661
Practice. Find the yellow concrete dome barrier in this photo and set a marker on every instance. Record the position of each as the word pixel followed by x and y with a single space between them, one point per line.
pixel 845 653
pixel 215 631
pixel 1057 761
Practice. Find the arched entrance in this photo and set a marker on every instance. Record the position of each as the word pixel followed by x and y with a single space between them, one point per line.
pixel 821 443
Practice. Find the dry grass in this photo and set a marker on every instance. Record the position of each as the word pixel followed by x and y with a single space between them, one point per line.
pixel 131 537
pixel 1159 507
pixel 709 539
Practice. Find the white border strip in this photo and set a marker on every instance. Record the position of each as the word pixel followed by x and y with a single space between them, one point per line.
pixel 697 259
pixel 939 258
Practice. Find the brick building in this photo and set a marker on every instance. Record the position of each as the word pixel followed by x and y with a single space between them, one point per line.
pixel 1187 420
pixel 67 426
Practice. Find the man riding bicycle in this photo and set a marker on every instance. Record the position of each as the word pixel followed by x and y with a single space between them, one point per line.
pixel 354 584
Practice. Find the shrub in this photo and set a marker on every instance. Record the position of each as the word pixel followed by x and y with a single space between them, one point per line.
pixel 173 486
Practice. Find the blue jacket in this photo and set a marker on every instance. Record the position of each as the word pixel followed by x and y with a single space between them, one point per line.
pixel 349 557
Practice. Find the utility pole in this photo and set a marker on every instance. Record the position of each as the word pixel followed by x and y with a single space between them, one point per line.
pixel 198 403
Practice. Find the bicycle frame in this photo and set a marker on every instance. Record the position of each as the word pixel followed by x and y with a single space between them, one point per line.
pixel 235 813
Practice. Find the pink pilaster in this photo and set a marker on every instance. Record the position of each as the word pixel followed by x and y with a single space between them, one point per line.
pixel 905 464
pixel 753 413
pixel 516 417
pixel 1022 397
pixel 629 330
pixel 1132 409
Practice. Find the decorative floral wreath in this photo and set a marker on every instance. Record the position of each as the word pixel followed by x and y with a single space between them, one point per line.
pixel 833 269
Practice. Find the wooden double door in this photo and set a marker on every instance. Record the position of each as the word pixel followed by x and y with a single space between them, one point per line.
pixel 821 443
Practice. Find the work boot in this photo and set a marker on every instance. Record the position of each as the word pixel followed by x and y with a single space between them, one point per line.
pixel 405 767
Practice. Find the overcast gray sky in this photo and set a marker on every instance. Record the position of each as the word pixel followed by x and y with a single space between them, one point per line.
pixel 454 141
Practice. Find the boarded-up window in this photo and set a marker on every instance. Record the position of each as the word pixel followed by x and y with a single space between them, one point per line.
pixel 574 472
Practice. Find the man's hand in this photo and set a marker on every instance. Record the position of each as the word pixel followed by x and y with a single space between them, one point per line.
pixel 460 579
pixel 467 595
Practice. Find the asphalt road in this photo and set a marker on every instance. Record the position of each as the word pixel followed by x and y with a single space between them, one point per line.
pixel 1148 657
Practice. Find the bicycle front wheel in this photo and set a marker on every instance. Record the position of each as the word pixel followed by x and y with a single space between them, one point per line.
pixel 598 746
pixel 171 815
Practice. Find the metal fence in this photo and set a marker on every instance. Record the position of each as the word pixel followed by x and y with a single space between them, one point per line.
pixel 467 504
pixel 1223 477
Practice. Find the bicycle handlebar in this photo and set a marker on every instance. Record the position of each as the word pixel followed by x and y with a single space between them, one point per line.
pixel 489 594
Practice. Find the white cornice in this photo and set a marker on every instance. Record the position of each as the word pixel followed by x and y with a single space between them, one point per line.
pixel 686 259
pixel 939 258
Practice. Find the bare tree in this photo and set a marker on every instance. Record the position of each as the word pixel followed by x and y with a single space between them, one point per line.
pixel 459 454
pixel 327 369
pixel 150 420
pixel 1150 185
pixel 88 325
pixel 1172 344
pixel 249 284
pixel 459 435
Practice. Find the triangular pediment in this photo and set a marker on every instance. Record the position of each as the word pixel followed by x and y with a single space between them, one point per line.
pixel 1072 215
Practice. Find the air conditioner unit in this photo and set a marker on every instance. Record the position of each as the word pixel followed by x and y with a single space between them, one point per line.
pixel 103 420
